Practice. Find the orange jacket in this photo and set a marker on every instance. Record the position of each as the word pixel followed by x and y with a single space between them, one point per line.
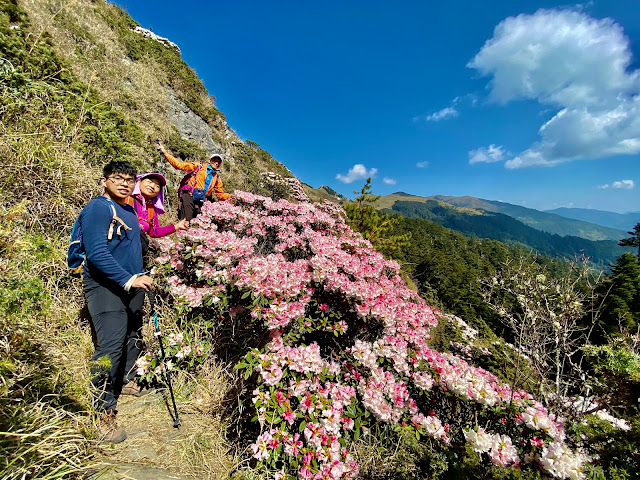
pixel 197 180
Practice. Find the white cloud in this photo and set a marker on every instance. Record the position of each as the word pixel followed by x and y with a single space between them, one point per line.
pixel 577 64
pixel 449 112
pixel 389 181
pixel 620 184
pixel 624 184
pixel 490 154
pixel 357 172
pixel 422 164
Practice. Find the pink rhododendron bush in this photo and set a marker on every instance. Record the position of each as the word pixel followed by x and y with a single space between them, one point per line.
pixel 332 344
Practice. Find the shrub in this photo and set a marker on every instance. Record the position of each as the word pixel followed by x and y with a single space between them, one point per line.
pixel 333 345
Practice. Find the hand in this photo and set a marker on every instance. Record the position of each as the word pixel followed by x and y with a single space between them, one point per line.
pixel 181 225
pixel 159 146
pixel 143 281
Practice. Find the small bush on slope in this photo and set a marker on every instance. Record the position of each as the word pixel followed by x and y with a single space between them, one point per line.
pixel 337 347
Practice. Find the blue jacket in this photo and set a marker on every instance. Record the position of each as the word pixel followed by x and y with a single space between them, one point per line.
pixel 120 258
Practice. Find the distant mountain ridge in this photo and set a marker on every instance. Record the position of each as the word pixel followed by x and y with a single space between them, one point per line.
pixel 323 193
pixel 622 221
pixel 543 221
pixel 504 228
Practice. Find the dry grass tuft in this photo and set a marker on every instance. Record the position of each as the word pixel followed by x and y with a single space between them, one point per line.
pixel 379 458
pixel 42 442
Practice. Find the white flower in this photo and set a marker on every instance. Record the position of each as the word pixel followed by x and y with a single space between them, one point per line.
pixel 561 462
pixel 480 440
pixel 618 423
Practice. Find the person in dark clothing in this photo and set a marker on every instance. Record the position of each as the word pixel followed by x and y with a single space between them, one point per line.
pixel 114 288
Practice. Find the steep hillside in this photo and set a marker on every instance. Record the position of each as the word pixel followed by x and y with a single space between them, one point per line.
pixel 143 79
pixel 79 86
pixel 621 221
pixel 546 222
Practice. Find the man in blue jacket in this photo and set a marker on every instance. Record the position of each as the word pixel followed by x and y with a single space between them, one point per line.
pixel 114 289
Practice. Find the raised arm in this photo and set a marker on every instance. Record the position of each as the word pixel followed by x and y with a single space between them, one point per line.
pixel 185 166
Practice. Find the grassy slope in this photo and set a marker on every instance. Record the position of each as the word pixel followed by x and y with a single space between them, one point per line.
pixel 322 193
pixel 71 98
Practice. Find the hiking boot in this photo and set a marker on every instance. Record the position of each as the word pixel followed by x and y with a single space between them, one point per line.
pixel 108 429
pixel 132 388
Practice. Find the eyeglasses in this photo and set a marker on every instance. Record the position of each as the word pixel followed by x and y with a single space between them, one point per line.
pixel 118 180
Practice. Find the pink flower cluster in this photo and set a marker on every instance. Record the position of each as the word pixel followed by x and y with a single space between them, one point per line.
pixel 334 460
pixel 286 260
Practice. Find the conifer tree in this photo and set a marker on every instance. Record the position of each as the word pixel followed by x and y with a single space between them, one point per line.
pixel 622 304
pixel 633 240
pixel 375 226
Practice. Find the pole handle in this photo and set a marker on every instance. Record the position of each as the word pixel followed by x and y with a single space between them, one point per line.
pixel 152 299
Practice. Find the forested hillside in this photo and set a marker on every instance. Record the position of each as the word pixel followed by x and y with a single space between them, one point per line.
pixel 447 266
pixel 295 348
pixel 506 229
pixel 543 221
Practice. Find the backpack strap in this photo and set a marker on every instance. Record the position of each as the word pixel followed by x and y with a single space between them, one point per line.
pixel 136 203
pixel 150 210
pixel 114 221
pixel 184 183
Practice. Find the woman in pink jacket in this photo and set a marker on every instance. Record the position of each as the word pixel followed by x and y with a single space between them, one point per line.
pixel 148 201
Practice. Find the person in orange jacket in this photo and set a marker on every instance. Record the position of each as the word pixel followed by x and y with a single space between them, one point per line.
pixel 200 184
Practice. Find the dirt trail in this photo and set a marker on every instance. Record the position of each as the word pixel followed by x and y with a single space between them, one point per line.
pixel 155 450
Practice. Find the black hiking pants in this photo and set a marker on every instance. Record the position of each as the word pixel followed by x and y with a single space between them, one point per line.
pixel 116 317
pixel 189 208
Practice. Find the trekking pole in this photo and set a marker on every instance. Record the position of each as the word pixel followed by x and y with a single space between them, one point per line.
pixel 159 152
pixel 154 315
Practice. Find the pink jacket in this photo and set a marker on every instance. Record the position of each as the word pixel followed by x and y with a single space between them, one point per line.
pixel 148 217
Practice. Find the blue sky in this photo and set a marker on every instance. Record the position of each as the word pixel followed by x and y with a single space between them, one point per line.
pixel 531 103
